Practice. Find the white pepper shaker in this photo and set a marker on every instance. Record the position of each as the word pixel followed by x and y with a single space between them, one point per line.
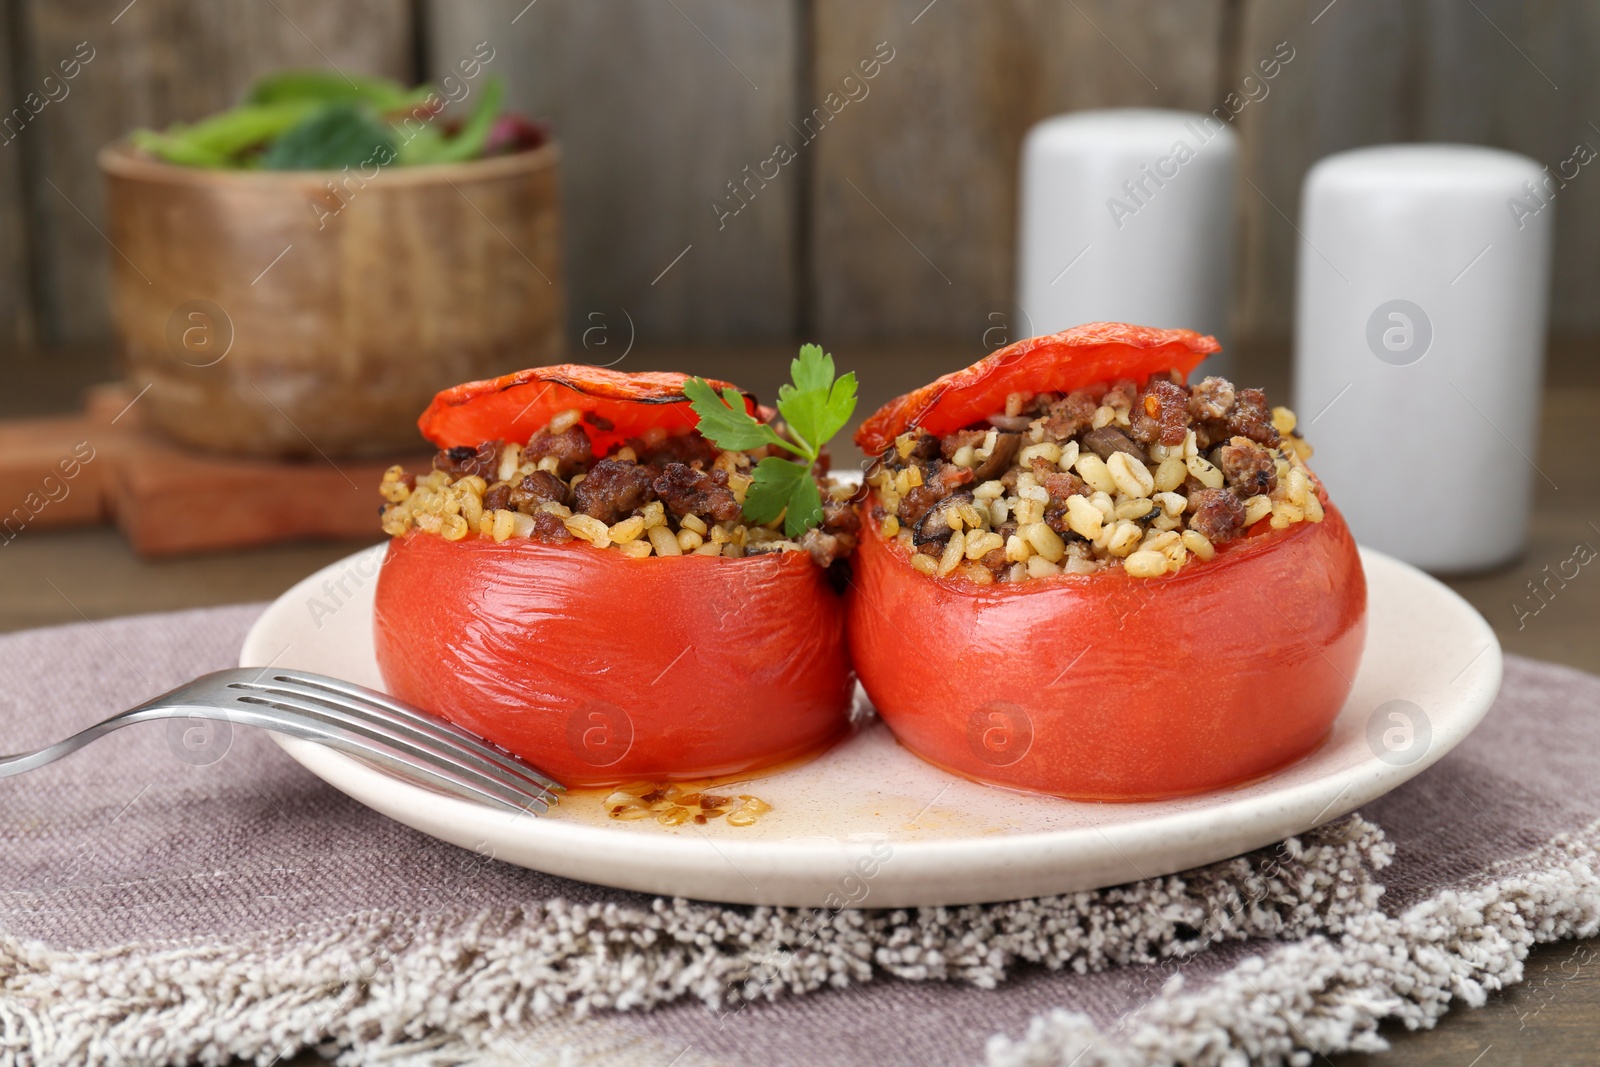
pixel 1127 215
pixel 1424 273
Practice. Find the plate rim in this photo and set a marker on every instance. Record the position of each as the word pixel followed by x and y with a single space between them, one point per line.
pixel 1273 814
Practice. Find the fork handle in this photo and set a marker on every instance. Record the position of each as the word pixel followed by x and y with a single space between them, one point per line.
pixel 27 761
pixel 366 750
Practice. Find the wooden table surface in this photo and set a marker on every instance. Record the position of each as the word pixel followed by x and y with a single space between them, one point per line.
pixel 1553 1017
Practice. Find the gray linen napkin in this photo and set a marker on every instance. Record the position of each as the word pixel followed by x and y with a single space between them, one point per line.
pixel 159 904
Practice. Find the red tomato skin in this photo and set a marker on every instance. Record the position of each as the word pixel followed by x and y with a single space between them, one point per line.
pixel 515 406
pixel 599 669
pixel 1057 362
pixel 1108 687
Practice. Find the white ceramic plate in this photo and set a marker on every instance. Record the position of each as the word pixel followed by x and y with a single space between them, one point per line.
pixel 868 824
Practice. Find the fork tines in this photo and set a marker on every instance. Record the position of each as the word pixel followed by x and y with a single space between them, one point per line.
pixel 446 749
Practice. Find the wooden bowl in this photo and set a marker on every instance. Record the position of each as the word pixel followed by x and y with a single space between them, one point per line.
pixel 291 313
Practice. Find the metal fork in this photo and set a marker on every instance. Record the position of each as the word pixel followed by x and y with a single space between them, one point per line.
pixel 371 726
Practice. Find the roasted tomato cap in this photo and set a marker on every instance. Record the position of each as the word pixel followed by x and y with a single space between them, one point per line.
pixel 1059 362
pixel 516 406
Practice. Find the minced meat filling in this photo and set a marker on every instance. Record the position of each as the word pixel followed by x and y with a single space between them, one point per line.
pixel 662 495
pixel 1113 475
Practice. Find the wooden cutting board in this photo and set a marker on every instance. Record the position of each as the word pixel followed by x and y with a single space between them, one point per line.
pixel 168 499
pixel 50 475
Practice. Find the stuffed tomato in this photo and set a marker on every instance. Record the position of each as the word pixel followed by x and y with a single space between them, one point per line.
pixel 575 581
pixel 1079 575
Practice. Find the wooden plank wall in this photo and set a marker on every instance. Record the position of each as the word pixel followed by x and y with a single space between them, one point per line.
pixel 16 303
pixel 699 201
pixel 658 107
pixel 915 192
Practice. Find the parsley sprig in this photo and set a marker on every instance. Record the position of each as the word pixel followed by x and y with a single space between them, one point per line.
pixel 814 408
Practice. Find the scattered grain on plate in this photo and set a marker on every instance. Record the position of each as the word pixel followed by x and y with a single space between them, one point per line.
pixel 674 804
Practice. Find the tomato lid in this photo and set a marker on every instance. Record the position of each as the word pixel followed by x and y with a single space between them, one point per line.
pixel 516 406
pixel 1059 362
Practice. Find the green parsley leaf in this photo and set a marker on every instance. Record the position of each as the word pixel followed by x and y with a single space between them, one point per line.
pixel 813 370
pixel 814 408
pixel 805 506
pixel 783 487
pixel 724 421
pixel 769 493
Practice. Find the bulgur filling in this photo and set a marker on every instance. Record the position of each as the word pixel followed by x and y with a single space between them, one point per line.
pixel 662 494
pixel 1148 480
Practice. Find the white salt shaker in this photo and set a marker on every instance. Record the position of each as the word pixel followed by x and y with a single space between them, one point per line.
pixel 1127 215
pixel 1419 345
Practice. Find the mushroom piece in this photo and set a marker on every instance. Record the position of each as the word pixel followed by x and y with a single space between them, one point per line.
pixel 1108 439
pixel 935 525
pixel 1004 451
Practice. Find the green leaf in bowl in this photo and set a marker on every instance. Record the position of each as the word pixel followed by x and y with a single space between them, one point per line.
pixel 332 87
pixel 218 140
pixel 339 135
pixel 175 148
pixel 429 145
